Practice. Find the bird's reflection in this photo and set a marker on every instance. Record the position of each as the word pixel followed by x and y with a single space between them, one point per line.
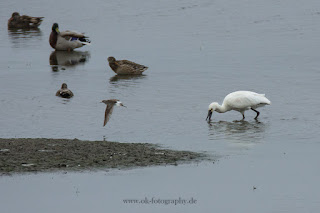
pixel 61 59
pixel 125 77
pixel 126 82
pixel 24 37
pixel 237 131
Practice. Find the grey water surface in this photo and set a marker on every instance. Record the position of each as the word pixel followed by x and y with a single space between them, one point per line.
pixel 197 52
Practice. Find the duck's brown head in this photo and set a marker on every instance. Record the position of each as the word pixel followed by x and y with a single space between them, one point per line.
pixel 15 15
pixel 105 101
pixel 64 86
pixel 111 59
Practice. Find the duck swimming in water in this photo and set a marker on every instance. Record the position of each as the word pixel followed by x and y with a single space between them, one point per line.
pixel 64 92
pixel 125 67
pixel 23 22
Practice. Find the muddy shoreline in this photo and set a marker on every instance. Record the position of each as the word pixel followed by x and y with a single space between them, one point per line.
pixel 41 154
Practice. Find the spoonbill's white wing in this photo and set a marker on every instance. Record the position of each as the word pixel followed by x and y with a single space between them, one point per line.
pixel 245 100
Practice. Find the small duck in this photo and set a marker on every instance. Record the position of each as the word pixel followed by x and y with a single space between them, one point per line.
pixel 66 40
pixel 125 67
pixel 23 22
pixel 110 104
pixel 64 92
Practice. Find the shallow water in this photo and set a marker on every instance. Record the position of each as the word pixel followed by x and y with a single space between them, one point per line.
pixel 197 52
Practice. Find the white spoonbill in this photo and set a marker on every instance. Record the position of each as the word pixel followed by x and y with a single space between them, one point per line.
pixel 239 101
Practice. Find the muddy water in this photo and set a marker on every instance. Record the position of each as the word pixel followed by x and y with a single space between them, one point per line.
pixel 197 52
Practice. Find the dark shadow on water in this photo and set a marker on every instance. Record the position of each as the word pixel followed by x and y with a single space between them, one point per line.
pixel 237 131
pixel 24 37
pixel 60 60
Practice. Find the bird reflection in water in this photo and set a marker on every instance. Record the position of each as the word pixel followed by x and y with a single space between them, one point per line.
pixel 126 82
pixel 24 37
pixel 241 132
pixel 125 77
pixel 59 60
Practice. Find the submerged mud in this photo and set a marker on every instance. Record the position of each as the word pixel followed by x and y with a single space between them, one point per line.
pixel 42 154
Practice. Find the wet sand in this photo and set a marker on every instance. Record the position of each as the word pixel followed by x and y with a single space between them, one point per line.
pixel 42 154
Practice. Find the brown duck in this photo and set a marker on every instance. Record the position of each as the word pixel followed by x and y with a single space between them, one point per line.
pixel 64 92
pixel 23 22
pixel 125 67
pixel 110 104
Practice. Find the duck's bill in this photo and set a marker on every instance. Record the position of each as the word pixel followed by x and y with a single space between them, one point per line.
pixel 209 115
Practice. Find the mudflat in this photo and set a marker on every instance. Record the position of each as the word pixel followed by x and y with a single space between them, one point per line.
pixel 41 154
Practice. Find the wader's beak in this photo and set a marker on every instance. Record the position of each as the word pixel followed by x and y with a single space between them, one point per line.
pixel 209 115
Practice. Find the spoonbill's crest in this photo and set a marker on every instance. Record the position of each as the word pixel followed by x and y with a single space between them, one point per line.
pixel 239 101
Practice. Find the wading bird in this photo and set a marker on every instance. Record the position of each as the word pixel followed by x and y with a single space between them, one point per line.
pixel 239 101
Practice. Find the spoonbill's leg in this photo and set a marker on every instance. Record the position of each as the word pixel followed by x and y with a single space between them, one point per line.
pixel 242 115
pixel 258 113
